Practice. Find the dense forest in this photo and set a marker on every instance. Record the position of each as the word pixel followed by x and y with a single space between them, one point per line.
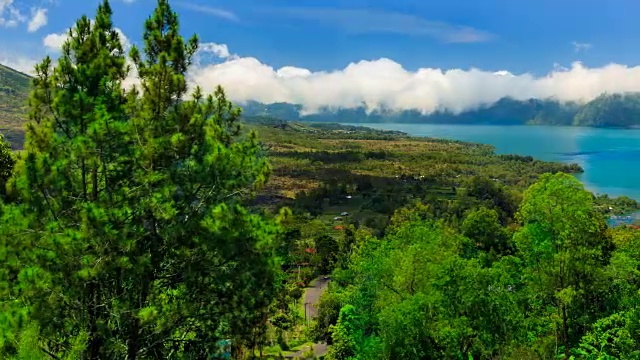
pixel 607 110
pixel 158 223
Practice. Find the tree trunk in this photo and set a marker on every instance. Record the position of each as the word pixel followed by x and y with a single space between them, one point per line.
pixel 95 341
pixel 133 344
pixel 565 331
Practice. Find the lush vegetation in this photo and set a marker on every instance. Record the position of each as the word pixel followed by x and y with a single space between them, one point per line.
pixel 607 110
pixel 126 237
pixel 558 284
pixel 150 223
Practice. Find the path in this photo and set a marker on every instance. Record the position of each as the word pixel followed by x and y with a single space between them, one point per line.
pixel 312 297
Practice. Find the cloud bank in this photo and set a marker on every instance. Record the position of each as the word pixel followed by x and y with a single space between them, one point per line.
pixel 383 83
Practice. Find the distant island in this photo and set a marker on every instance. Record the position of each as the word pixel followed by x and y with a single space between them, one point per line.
pixel 607 110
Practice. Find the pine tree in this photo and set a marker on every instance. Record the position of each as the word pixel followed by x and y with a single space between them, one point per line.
pixel 129 239
pixel 6 165
pixel 57 241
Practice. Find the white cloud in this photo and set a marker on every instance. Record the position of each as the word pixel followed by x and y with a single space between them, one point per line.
pixel 376 21
pixel 385 83
pixel 21 63
pixel 54 41
pixel 38 19
pixel 581 46
pixel 124 40
pixel 217 12
pixel 10 15
pixel 219 50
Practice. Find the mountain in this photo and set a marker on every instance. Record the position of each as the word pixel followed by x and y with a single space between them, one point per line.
pixel 621 110
pixel 608 110
pixel 14 95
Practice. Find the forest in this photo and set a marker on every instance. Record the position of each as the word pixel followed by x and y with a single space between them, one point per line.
pixel 158 222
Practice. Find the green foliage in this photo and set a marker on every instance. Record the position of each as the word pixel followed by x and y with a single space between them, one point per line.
pixel 620 205
pixel 483 227
pixel 129 239
pixel 327 248
pixel 344 335
pixel 328 314
pixel 567 286
pixel 7 163
pixel 424 299
pixel 282 321
pixel 128 233
pixel 614 337
pixel 564 245
pixel 493 195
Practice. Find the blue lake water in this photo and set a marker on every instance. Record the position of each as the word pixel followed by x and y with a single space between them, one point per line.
pixel 609 157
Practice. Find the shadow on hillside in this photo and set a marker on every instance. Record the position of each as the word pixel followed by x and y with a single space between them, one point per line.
pixel 328 157
pixel 15 138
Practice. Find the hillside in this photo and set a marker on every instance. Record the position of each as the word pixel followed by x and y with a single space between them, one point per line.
pixel 621 110
pixel 14 93
pixel 306 155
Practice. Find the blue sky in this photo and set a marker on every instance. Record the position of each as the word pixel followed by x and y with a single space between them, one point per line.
pixel 514 35
pixel 518 36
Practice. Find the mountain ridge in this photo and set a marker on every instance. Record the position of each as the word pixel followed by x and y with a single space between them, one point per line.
pixel 607 110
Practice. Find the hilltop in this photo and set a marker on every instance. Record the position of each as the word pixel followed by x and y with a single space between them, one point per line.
pixel 14 95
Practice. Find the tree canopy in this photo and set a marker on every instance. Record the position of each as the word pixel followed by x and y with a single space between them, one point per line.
pixel 129 238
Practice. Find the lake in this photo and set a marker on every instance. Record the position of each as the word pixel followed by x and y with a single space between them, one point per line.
pixel 609 157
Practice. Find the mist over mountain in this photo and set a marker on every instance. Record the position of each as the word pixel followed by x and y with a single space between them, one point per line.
pixel 606 110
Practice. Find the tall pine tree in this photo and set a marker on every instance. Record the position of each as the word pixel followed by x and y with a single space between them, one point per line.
pixel 6 165
pixel 129 239
pixel 209 273
pixel 58 242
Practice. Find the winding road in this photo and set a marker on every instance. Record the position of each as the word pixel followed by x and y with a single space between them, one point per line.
pixel 312 296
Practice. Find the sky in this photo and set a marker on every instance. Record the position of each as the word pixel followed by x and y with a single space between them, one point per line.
pixel 401 54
